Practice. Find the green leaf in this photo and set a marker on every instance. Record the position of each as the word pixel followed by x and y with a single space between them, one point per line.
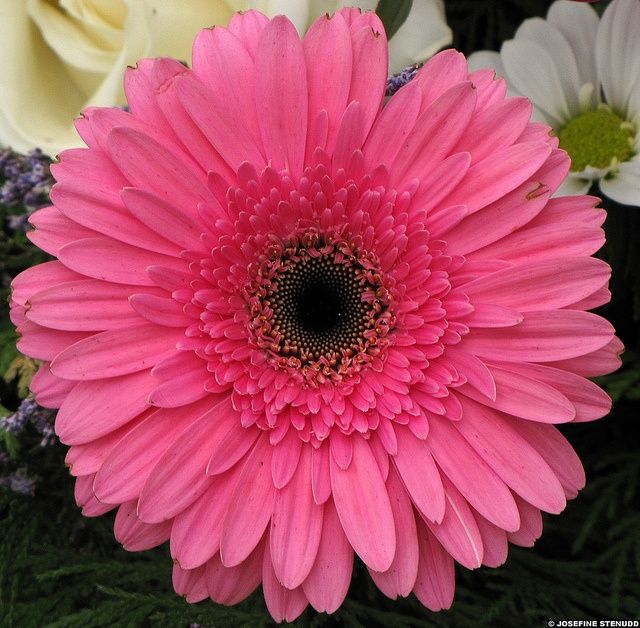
pixel 393 14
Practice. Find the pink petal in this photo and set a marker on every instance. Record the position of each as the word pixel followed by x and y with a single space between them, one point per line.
pixel 50 391
pixel 474 370
pixel 420 475
pixel 435 133
pixel 589 400
pixel 542 337
pixel 247 26
pixel 370 63
pixel 495 176
pixel 484 490
pixel 103 306
pixel 328 581
pixel 41 343
pixel 116 352
pixel 190 583
pixel 296 526
pixel 179 477
pixel 230 585
pixel 160 310
pixel 251 507
pixel 494 541
pixel 128 466
pixel 498 219
pixel 286 455
pixel 196 531
pixel 440 73
pixel 495 127
pixel 525 397
pixel 400 578
pixel 135 535
pixel 282 103
pixel 283 604
pixel 436 581
pixel 95 408
pixel 541 285
pixel 328 82
pixel 53 230
pixel 362 503
pixel 599 362
pixel 514 460
pixel 150 166
pixel 85 498
pixel 110 260
pixel 320 474
pixel 102 211
pixel 557 453
pixel 38 278
pixel 164 218
pixel 530 524
pixel 458 533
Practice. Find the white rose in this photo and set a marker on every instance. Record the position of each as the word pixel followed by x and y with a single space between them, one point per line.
pixel 61 56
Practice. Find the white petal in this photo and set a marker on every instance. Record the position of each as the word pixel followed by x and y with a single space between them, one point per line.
pixel 573 184
pixel 624 186
pixel 618 51
pixel 540 82
pixel 578 22
pixel 551 39
pixel 423 33
pixel 483 59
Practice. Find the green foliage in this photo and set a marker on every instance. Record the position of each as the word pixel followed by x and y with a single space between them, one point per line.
pixel 393 14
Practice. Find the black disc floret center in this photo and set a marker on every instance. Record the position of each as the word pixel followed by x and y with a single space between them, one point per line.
pixel 318 307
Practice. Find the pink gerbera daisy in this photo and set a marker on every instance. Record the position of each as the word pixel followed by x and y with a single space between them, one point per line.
pixel 287 324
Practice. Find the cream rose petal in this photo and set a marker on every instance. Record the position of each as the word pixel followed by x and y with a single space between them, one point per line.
pixel 424 32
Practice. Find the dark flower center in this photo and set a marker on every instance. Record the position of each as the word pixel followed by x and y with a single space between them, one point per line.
pixel 319 305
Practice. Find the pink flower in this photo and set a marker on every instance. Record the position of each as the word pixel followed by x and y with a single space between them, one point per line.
pixel 287 324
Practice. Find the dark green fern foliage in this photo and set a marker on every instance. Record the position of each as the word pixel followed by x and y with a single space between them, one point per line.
pixel 61 570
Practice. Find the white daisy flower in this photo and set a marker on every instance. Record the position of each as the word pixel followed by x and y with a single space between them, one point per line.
pixel 582 74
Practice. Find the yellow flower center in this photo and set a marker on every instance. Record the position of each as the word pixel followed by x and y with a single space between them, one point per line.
pixel 597 138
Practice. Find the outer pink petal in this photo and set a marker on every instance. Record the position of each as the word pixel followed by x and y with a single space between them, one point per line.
pixel 458 533
pixel 251 506
pixel 127 467
pixel 41 343
pixel 283 604
pixel 53 230
pixel 436 581
pixel 329 39
pixel 328 581
pixel 420 475
pixel 296 526
pixel 196 531
pixel 40 277
pixel 439 74
pixel 281 102
pixel 50 391
pixel 400 578
pixel 541 285
pixel 484 490
pixel 135 535
pixel 230 585
pixel 190 583
pixel 525 397
pixel 514 460
pixel 85 305
pixel 599 362
pixel 116 352
pixel 179 477
pixel 494 541
pixel 247 27
pixel 109 260
pixel 530 524
pixel 542 337
pixel 362 503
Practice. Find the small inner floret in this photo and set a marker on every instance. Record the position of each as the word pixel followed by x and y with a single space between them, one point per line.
pixel 598 138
